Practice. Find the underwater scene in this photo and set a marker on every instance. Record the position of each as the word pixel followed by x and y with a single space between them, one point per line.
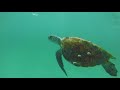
pixel 59 44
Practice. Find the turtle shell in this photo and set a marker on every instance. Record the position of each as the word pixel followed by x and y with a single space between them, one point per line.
pixel 84 53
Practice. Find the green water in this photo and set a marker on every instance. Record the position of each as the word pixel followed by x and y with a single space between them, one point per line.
pixel 26 52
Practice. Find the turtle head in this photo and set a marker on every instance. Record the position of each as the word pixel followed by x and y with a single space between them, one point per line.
pixel 55 39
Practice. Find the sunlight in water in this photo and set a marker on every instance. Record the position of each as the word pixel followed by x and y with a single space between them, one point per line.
pixel 35 14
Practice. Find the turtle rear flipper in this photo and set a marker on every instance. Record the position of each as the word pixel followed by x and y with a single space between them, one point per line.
pixel 110 68
pixel 59 60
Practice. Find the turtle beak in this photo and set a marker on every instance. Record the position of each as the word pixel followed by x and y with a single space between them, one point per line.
pixel 49 37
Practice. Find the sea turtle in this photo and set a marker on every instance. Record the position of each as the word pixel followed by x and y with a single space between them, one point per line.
pixel 81 52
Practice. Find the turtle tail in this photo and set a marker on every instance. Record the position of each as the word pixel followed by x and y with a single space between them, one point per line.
pixel 113 57
pixel 55 39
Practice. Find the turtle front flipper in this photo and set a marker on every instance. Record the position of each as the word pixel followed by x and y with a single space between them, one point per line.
pixel 110 68
pixel 59 60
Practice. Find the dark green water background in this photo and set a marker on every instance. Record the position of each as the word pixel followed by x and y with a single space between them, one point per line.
pixel 26 52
